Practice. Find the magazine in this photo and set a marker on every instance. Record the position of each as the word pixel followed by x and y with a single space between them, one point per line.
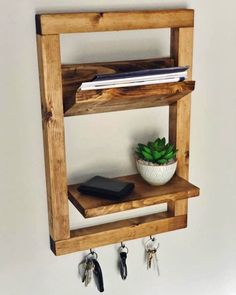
pixel 136 78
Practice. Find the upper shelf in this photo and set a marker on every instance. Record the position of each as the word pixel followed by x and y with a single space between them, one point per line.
pixel 77 102
pixel 143 195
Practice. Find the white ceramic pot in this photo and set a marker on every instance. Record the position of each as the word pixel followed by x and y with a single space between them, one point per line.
pixel 156 174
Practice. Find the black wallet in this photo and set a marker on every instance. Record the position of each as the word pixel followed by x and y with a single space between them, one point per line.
pixel 105 187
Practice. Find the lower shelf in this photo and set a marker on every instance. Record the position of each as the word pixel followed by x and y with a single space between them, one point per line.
pixel 142 196
pixel 115 232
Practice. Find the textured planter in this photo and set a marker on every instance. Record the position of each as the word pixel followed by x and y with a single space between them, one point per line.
pixel 156 174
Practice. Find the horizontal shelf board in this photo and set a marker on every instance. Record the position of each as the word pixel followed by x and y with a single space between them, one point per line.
pixel 59 23
pixel 127 98
pixel 77 102
pixel 115 232
pixel 142 196
pixel 74 75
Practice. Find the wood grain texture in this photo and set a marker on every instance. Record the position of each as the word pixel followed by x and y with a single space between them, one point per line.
pixel 74 75
pixel 113 21
pixel 180 21
pixel 77 102
pixel 179 118
pixel 53 133
pixel 128 98
pixel 115 232
pixel 142 196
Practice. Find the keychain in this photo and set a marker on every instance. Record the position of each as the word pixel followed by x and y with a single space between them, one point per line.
pixel 89 266
pixel 151 247
pixel 123 251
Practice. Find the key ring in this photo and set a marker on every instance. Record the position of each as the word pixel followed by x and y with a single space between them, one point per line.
pixel 93 254
pixel 123 248
pixel 151 243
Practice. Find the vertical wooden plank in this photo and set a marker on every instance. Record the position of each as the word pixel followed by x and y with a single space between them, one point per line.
pixel 179 112
pixel 53 133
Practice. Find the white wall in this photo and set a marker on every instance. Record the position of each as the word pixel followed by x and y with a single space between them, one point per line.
pixel 197 260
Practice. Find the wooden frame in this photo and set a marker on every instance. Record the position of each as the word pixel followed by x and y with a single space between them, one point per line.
pixel 61 23
pixel 49 28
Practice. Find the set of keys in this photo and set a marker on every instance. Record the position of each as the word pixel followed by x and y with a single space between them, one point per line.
pixel 90 268
pixel 123 251
pixel 151 247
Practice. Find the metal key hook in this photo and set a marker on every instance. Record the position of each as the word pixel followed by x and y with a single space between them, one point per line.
pixel 152 238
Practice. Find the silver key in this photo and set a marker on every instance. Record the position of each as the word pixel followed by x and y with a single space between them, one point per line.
pixel 157 265
pixel 85 269
pixel 88 272
pixel 82 267
pixel 151 248
pixel 150 254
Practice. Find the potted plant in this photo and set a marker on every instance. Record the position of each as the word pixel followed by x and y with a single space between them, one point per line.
pixel 156 161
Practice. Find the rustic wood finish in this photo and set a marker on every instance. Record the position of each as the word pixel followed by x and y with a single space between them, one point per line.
pixel 74 75
pixel 59 84
pixel 143 195
pixel 179 120
pixel 53 132
pixel 118 231
pixel 113 21
pixel 128 98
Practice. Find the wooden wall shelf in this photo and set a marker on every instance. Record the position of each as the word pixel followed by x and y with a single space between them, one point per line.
pixel 142 196
pixel 60 95
pixel 77 102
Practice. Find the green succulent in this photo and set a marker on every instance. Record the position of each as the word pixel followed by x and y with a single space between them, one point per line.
pixel 158 151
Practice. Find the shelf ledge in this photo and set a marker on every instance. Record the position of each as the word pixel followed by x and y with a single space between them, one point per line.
pixel 77 102
pixel 143 195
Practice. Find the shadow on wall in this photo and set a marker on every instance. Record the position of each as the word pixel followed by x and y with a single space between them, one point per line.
pixel 91 6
